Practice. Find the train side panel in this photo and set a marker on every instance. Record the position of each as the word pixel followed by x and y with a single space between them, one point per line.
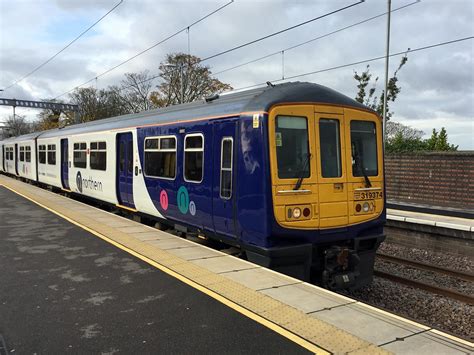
pixel 92 165
pixel 49 167
pixel 27 159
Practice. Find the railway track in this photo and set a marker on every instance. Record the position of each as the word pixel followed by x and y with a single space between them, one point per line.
pixel 425 286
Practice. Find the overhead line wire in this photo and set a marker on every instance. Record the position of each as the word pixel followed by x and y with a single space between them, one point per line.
pixel 63 49
pixel 314 39
pixel 253 41
pixel 148 49
pixel 361 61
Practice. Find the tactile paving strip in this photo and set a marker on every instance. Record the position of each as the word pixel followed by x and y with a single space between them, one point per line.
pixel 315 331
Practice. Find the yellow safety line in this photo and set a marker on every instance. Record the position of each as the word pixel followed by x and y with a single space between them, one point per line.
pixel 257 318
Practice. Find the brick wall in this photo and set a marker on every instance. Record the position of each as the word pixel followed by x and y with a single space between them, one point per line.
pixel 443 179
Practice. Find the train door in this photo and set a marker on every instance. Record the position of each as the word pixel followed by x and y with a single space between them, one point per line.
pixel 16 159
pixel 223 187
pixel 333 205
pixel 3 158
pixel 124 181
pixel 65 163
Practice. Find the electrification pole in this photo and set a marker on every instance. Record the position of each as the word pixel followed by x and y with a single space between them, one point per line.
pixel 389 4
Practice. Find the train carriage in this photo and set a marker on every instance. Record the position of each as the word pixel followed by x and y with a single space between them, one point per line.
pixel 292 174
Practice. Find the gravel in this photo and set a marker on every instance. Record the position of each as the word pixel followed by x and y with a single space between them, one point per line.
pixel 428 277
pixel 432 310
pixel 455 262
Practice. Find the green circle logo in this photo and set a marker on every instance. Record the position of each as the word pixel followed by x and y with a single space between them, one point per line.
pixel 183 200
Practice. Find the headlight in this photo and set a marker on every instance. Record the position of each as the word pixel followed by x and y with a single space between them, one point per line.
pixel 365 207
pixel 297 213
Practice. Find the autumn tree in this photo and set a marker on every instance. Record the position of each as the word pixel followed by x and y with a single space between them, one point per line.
pixel 185 80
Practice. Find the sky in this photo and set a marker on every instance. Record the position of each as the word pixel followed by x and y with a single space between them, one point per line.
pixel 437 84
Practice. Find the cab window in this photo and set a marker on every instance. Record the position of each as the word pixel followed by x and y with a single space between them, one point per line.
pixel 364 148
pixel 292 147
pixel 330 148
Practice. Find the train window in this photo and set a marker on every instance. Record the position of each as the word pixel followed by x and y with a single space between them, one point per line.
pixel 80 155
pixel 330 148
pixel 226 168
pixel 28 154
pixel 130 157
pixel 364 148
pixel 160 157
pixel 22 153
pixel 42 154
pixel 292 147
pixel 98 156
pixel 193 157
pixel 52 154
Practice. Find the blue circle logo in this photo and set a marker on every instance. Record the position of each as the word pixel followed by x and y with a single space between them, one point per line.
pixel 192 208
pixel 79 181
pixel 183 200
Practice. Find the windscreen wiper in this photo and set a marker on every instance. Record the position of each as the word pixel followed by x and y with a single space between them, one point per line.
pixel 361 168
pixel 301 173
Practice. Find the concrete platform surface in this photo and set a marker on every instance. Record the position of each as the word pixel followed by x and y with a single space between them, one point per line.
pixel 462 224
pixel 315 319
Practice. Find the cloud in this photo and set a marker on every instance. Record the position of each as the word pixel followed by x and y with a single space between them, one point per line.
pixel 436 84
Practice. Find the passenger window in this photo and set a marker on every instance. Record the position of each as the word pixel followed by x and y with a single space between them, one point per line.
pixel 22 153
pixel 80 155
pixel 42 154
pixel 130 157
pixel 226 168
pixel 28 154
pixel 160 157
pixel 193 157
pixel 330 145
pixel 52 154
pixel 98 156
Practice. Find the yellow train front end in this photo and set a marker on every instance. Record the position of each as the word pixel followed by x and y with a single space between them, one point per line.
pixel 328 186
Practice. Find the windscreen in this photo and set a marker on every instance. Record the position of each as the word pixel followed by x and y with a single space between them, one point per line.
pixel 292 146
pixel 364 148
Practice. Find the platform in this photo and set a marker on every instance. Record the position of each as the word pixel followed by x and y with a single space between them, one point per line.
pixel 78 278
pixel 428 219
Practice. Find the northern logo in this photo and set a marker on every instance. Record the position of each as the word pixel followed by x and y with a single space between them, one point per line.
pixel 79 181
pixel 90 183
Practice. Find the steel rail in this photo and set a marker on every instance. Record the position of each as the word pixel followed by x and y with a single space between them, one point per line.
pixel 430 288
pixel 428 267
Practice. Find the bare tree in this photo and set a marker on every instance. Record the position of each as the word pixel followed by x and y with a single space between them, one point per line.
pixel 185 80
pixel 135 92
pixel 16 126
pixel 407 132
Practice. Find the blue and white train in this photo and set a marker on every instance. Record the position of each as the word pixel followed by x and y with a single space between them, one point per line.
pixel 292 174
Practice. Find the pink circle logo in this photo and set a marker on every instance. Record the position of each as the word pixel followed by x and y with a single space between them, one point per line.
pixel 164 200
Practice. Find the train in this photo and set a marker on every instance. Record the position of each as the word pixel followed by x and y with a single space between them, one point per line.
pixel 291 174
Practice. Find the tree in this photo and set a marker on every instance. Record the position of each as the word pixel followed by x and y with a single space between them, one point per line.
pixel 398 129
pixel 185 80
pixel 50 119
pixel 135 91
pixel 439 141
pixel 369 98
pixel 98 104
pixel 16 126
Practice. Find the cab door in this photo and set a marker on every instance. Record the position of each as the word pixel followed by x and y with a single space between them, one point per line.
pixel 332 176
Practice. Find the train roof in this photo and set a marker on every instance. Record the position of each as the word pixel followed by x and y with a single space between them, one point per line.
pixel 255 100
